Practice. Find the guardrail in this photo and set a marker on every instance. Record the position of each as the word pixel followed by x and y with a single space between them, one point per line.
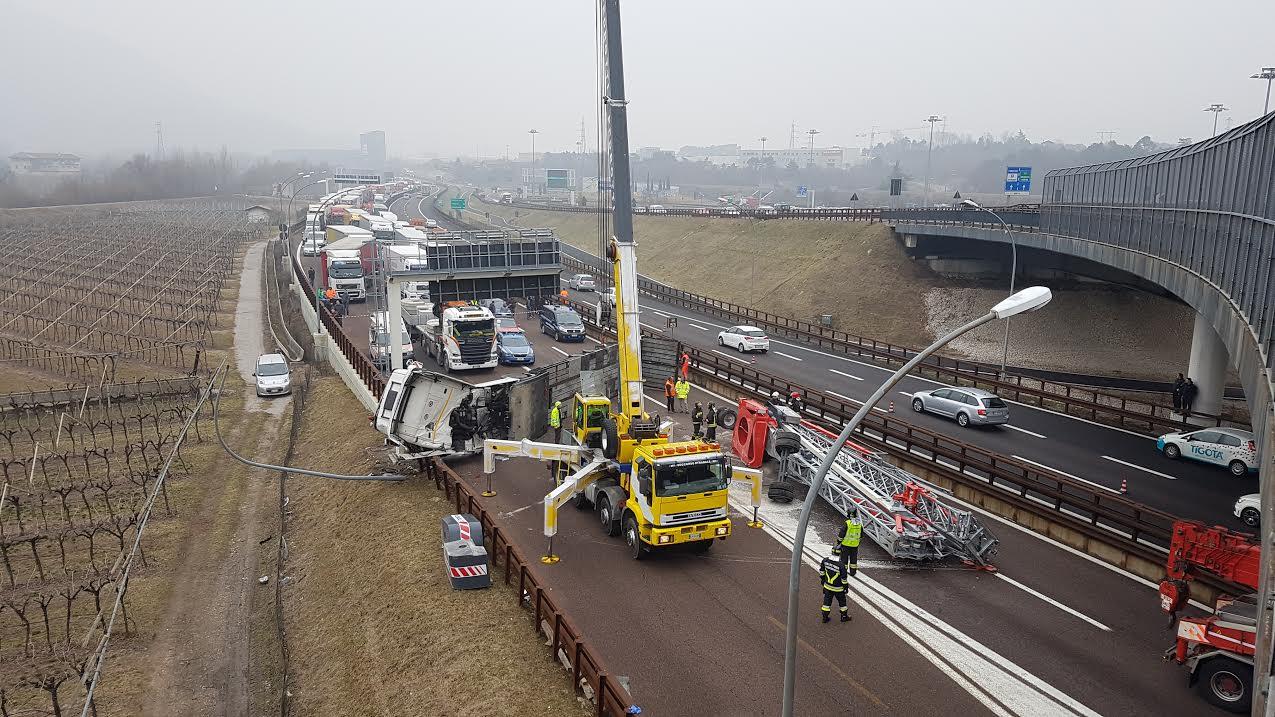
pixel 1130 414
pixel 1131 527
pixel 566 640
pixel 368 373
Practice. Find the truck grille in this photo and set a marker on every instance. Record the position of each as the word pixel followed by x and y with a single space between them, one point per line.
pixel 693 516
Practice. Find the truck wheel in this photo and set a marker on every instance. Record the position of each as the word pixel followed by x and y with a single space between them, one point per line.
pixel 580 501
pixel 727 418
pixel 1226 683
pixel 610 436
pixel 1238 469
pixel 610 525
pixel 637 551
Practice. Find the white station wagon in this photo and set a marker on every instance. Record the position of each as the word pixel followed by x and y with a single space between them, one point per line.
pixel 744 339
pixel 1230 447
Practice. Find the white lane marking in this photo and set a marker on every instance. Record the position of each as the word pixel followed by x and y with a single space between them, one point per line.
pixel 1022 430
pixel 555 348
pixel 905 393
pixel 847 375
pixel 590 338
pixel 1002 686
pixel 1053 602
pixel 661 313
pixel 781 353
pixel 701 328
pixel 732 358
pixel 1134 465
pixel 1065 473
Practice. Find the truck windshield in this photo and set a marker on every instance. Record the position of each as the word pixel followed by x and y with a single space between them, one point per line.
pixel 687 478
pixel 481 328
pixel 340 272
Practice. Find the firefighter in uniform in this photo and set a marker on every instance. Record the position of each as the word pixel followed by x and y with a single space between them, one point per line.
pixel 848 540
pixel 833 574
pixel 555 421
pixel 710 420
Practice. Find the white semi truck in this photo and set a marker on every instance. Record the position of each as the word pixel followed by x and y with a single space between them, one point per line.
pixel 424 414
pixel 462 337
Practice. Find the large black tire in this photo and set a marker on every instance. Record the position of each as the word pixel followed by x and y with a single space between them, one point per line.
pixel 610 438
pixel 1226 683
pixel 632 539
pixel 1172 451
pixel 581 503
pixel 726 418
pixel 606 516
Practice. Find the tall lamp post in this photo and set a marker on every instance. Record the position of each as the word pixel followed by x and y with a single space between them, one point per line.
pixel 1013 270
pixel 1028 299
pixel 761 164
pixel 533 132
pixel 1217 109
pixel 1268 74
pixel 928 153
pixel 284 184
pixel 811 163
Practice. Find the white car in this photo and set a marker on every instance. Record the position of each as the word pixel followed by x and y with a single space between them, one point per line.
pixel 582 282
pixel 744 339
pixel 272 376
pixel 728 212
pixel 1249 509
pixel 312 247
pixel 657 209
pixel 1230 447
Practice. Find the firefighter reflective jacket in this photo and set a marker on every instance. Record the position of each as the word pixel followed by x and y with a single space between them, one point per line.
pixel 850 533
pixel 833 575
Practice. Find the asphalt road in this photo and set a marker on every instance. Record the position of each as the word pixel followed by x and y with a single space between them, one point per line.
pixel 1051 632
pixel 1098 455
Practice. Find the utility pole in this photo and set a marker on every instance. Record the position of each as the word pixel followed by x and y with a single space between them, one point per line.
pixel 928 154
pixel 811 162
pixel 1104 136
pixel 533 132
pixel 1216 108
pixel 159 141
pixel 792 136
pixel 761 165
pixel 1268 74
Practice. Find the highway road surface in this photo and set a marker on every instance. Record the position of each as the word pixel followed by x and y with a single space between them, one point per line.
pixel 1050 632
pixel 1095 454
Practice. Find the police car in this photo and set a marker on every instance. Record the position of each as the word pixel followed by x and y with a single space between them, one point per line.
pixel 1230 447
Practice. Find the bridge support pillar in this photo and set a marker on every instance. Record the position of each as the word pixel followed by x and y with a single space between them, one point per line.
pixel 1209 359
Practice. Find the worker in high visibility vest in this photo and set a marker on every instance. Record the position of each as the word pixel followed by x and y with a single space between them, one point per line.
pixel 683 388
pixel 848 536
pixel 833 574
pixel 555 421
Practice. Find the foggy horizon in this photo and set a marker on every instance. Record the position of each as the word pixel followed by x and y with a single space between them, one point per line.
pixel 446 80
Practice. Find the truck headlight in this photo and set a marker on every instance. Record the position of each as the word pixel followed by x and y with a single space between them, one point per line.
pixel 665 539
pixel 723 530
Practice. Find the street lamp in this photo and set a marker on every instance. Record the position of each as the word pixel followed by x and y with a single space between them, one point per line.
pixel 811 164
pixel 931 119
pixel 283 185
pixel 1013 270
pixel 1216 109
pixel 296 191
pixel 761 164
pixel 533 132
pixel 1268 74
pixel 1028 299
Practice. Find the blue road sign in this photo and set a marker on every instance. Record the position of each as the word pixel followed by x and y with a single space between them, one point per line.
pixel 803 192
pixel 1018 180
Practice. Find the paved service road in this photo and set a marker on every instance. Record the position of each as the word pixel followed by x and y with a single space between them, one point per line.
pixel 1098 455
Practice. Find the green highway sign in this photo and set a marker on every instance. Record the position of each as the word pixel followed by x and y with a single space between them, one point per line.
pixel 458 203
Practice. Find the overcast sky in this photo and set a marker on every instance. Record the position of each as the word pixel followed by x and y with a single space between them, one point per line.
pixel 459 77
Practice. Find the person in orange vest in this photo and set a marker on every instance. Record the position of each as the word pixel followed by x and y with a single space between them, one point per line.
pixel 686 367
pixel 670 393
pixel 562 296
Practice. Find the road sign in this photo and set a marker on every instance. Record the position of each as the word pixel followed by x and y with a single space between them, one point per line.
pixel 803 191
pixel 458 203
pixel 1018 180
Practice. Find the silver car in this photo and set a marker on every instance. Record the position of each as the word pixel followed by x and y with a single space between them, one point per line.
pixel 582 282
pixel 969 406
pixel 271 375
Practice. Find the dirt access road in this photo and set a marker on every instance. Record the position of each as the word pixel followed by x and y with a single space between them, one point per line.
pixel 200 659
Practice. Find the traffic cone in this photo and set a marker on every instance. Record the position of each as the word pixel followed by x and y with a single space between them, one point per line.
pixel 1124 486
pixel 891 407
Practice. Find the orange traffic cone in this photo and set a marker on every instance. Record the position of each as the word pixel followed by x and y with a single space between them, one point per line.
pixel 1124 486
pixel 891 407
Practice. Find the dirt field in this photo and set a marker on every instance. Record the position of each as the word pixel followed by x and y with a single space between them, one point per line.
pixel 373 625
pixel 860 275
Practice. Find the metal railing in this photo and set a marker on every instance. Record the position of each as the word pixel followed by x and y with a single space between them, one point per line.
pixel 566 641
pixel 1131 414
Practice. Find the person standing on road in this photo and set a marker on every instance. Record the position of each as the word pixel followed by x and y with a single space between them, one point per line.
pixel 310 275
pixel 683 392
pixel 670 393
pixel 710 420
pixel 555 421
pixel 1177 393
pixel 1189 392
pixel 697 420
pixel 848 537
pixel 686 366
pixel 833 573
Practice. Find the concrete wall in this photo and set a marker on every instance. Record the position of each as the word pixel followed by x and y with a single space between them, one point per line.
pixel 326 349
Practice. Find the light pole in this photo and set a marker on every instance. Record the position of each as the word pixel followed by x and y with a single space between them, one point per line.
pixel 761 164
pixel 1268 74
pixel 811 163
pixel 284 184
pixel 533 132
pixel 1013 271
pixel 297 191
pixel 1028 299
pixel 1216 109
pixel 931 119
